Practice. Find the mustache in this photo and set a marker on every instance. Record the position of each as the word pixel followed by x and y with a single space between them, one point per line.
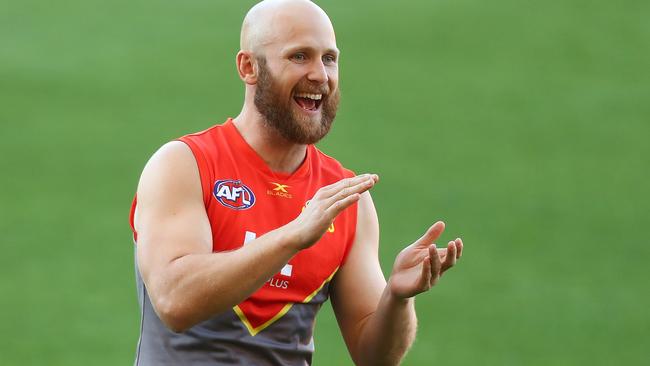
pixel 306 87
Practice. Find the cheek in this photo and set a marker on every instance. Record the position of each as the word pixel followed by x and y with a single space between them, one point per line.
pixel 290 84
pixel 333 80
pixel 284 91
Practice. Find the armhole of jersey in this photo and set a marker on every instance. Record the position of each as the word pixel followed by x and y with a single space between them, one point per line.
pixel 352 211
pixel 132 218
pixel 203 166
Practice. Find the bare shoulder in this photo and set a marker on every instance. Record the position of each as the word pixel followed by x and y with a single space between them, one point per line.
pixel 170 178
pixel 367 222
pixel 173 156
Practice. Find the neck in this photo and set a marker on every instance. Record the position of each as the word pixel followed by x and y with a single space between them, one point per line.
pixel 280 155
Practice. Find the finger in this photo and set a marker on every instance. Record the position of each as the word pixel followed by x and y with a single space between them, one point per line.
pixel 332 189
pixel 459 246
pixel 435 264
pixel 450 259
pixel 442 253
pixel 348 191
pixel 329 190
pixel 426 273
pixel 431 235
pixel 341 205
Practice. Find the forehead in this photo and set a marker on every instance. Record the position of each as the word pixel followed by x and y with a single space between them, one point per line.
pixel 293 32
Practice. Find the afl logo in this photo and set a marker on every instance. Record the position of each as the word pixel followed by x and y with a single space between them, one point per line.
pixel 233 194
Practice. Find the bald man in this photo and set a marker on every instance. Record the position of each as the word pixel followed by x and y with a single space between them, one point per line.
pixel 244 230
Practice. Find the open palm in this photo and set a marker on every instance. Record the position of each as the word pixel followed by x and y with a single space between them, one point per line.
pixel 419 266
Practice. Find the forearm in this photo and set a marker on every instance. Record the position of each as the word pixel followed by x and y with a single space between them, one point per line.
pixel 388 333
pixel 195 287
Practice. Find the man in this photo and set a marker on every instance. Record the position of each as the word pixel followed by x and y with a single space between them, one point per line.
pixel 243 230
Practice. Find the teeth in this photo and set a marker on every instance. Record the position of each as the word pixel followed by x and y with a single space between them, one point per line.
pixel 310 96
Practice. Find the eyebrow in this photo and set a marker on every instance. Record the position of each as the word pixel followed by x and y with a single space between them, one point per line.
pixel 308 48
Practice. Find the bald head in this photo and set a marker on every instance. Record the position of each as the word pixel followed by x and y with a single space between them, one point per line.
pixel 277 22
pixel 288 62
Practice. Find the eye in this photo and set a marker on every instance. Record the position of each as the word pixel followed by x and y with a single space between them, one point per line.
pixel 329 59
pixel 300 56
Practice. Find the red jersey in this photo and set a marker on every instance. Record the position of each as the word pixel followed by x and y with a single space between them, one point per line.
pixel 244 199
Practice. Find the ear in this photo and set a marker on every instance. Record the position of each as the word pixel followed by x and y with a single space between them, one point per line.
pixel 247 67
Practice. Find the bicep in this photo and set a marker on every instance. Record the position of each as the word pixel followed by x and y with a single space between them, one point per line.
pixel 359 284
pixel 170 218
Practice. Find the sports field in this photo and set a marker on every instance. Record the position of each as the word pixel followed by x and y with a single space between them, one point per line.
pixel 524 125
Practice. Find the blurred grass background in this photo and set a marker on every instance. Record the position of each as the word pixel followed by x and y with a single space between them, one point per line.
pixel 523 124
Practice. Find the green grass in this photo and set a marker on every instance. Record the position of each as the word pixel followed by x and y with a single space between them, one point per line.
pixel 523 125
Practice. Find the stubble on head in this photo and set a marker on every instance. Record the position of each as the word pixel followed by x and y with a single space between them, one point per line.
pixel 279 114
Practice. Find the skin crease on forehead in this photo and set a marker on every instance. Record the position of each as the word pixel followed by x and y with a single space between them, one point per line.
pixel 274 25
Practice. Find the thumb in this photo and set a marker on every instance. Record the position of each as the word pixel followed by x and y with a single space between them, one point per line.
pixel 432 234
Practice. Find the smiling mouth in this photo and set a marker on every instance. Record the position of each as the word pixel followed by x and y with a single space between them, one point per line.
pixel 308 101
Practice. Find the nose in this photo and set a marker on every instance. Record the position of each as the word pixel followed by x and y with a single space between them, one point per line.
pixel 317 72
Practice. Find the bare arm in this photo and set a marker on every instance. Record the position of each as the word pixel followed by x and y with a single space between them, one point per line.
pixel 187 283
pixel 377 319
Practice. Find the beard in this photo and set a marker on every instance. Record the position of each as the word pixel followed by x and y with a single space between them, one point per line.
pixel 281 116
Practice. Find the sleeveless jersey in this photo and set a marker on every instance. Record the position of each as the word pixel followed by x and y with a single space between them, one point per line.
pixel 244 199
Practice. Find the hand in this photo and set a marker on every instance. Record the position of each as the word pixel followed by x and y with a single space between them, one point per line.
pixel 327 203
pixel 419 266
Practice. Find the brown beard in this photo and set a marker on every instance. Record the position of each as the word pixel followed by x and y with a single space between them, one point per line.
pixel 281 117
